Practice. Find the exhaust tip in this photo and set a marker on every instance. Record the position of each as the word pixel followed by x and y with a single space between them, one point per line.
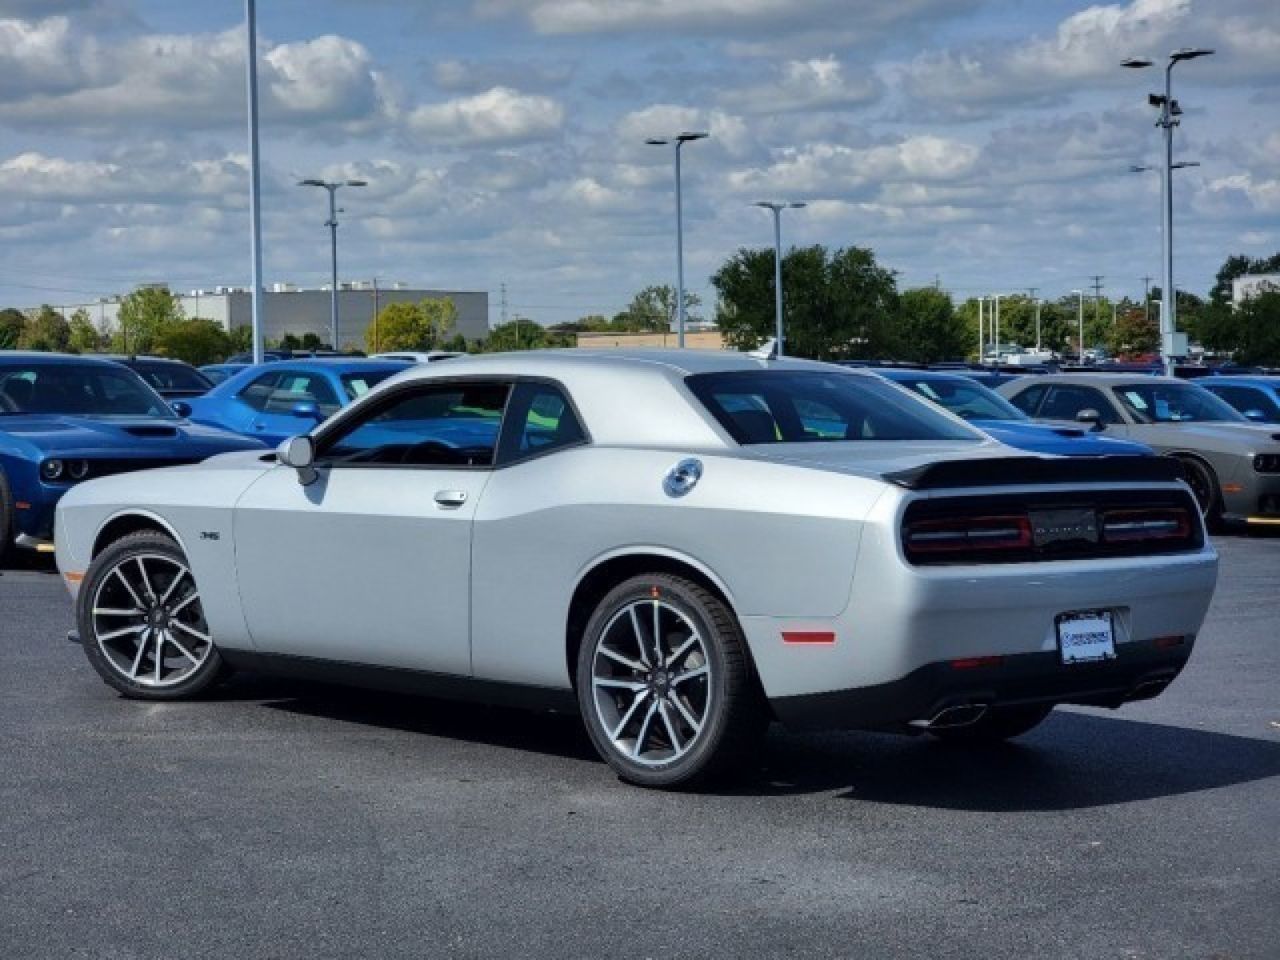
pixel 962 715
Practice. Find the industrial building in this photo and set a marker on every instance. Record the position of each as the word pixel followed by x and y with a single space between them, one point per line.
pixel 289 309
pixel 1252 284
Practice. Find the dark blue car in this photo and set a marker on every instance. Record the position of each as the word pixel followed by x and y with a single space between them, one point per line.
pixel 65 419
pixel 996 416
pixel 1257 397
pixel 285 398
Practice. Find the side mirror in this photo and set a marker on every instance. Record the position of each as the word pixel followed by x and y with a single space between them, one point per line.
pixel 299 453
pixel 181 408
pixel 1257 416
pixel 1091 417
pixel 307 409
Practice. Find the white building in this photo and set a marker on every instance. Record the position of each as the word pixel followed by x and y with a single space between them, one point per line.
pixel 1252 284
pixel 288 309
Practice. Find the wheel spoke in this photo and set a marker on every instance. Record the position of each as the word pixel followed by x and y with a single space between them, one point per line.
pixel 183 603
pixel 173 641
pixel 644 730
pixel 682 650
pixel 146 581
pixel 116 612
pixel 137 659
pixel 694 725
pixel 159 655
pixel 635 625
pixel 122 632
pixel 612 683
pixel 627 662
pixel 173 584
pixel 191 630
pixel 701 671
pixel 137 600
pixel 676 745
pixel 657 633
pixel 631 712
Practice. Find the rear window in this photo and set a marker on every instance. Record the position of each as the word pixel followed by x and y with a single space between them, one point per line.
pixel 172 376
pixel 358 384
pixel 792 406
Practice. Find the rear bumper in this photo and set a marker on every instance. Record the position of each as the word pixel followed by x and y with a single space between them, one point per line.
pixel 1140 671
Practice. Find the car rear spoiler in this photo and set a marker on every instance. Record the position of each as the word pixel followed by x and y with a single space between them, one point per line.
pixel 1018 471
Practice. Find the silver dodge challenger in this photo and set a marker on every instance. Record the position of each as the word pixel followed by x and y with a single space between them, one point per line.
pixel 680 546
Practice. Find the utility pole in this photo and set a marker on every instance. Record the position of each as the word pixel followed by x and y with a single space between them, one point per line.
pixel 377 341
pixel 1097 297
pixel 255 191
pixel 503 287
pixel 982 347
pixel 1037 324
pixel 1146 299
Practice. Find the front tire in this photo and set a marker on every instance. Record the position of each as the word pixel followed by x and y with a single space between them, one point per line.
pixel 1204 485
pixel 996 725
pixel 141 621
pixel 666 685
pixel 6 517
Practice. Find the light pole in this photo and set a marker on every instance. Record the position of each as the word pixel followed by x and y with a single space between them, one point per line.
pixel 996 335
pixel 1170 111
pixel 678 141
pixel 982 343
pixel 776 209
pixel 255 192
pixel 1080 315
pixel 332 223
pixel 1038 302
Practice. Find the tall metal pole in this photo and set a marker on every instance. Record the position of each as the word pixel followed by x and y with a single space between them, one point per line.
pixel 982 343
pixel 679 254
pixel 1169 296
pixel 333 264
pixel 255 193
pixel 1080 313
pixel 376 340
pixel 777 276
pixel 1037 325
pixel 997 330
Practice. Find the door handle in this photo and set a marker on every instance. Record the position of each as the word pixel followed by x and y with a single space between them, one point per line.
pixel 451 498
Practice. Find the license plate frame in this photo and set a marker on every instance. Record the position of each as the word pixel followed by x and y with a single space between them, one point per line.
pixel 1086 636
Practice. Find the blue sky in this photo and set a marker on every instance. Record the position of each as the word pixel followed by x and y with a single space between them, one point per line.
pixel 985 144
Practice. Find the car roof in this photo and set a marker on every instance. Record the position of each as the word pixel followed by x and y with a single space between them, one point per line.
pixel 898 373
pixel 1247 379
pixel 1104 379
pixel 31 357
pixel 675 362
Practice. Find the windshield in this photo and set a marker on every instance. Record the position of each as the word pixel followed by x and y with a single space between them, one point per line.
pixel 172 376
pixel 964 398
pixel 80 389
pixel 358 384
pixel 1174 403
pixel 785 406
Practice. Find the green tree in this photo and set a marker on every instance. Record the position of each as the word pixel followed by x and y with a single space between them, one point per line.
pixel 142 318
pixel 12 322
pixel 84 337
pixel 412 326
pixel 1249 332
pixel 1135 333
pixel 197 341
pixel 836 305
pixel 311 341
pixel 1237 266
pixel 47 330
pixel 929 328
pixel 653 309
pixel 289 342
pixel 240 340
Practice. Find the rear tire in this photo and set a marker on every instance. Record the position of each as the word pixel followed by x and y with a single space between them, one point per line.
pixel 996 725
pixel 677 711
pixel 141 621
pixel 1204 485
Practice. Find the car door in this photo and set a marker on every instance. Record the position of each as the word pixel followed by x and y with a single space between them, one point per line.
pixel 371 562
pixel 1066 401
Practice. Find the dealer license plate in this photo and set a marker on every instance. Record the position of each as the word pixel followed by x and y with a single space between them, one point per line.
pixel 1086 636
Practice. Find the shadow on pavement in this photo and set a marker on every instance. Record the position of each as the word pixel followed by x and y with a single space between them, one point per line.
pixel 1074 760
pixel 27 561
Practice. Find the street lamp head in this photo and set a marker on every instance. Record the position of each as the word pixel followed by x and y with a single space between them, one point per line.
pixel 357 183
pixel 686 137
pixel 1135 63
pixel 766 204
pixel 1189 53
pixel 1185 163
pixel 1138 168
pixel 797 206
pixel 312 183
pixel 657 141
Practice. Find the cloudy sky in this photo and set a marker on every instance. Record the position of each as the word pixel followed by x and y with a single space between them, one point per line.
pixel 984 143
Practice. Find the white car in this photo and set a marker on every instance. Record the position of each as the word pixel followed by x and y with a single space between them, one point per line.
pixel 681 545
pixel 416 356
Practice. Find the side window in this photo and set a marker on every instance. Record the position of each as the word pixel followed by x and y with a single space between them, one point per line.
pixel 1247 398
pixel 539 419
pixel 442 425
pixel 295 388
pixel 1029 399
pixel 256 393
pixel 1066 401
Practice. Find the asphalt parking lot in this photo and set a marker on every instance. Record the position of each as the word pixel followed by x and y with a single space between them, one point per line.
pixel 291 820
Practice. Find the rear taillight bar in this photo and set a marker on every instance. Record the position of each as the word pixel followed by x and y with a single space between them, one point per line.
pixel 1163 523
pixel 1010 532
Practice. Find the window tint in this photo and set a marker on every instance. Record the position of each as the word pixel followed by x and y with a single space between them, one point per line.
pixel 78 389
pixel 172 376
pixel 452 424
pixel 539 419
pixel 1159 402
pixel 1248 398
pixel 786 406
pixel 295 388
pixel 257 392
pixel 964 398
pixel 1065 402
pixel 1029 399
pixel 357 385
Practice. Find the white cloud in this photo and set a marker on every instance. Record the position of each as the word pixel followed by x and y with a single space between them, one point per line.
pixel 39 177
pixel 814 84
pixel 497 116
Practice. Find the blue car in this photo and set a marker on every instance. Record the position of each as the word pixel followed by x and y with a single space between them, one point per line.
pixel 1258 398
pixel 285 398
pixel 65 419
pixel 997 417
